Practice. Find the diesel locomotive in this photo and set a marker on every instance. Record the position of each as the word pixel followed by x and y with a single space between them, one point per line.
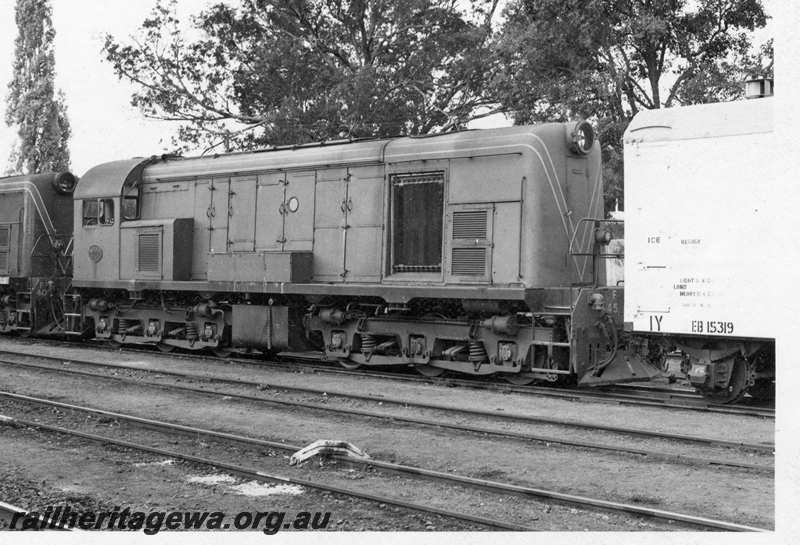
pixel 470 252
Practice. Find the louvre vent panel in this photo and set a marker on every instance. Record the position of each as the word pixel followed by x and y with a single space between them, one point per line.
pixel 4 232
pixel 4 261
pixel 469 224
pixel 468 262
pixel 150 252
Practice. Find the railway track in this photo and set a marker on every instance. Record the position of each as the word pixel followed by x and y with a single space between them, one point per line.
pixel 692 521
pixel 56 365
pixel 622 394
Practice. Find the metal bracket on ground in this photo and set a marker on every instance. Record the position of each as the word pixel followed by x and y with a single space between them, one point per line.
pixel 327 447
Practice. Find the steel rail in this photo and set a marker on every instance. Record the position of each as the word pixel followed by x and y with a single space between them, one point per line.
pixel 674 458
pixel 605 394
pixel 562 393
pixel 459 479
pixel 261 476
pixel 768 448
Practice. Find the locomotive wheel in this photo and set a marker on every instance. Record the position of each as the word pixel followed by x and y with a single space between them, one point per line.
pixel 165 348
pixel 349 364
pixel 736 385
pixel 519 379
pixel 763 389
pixel 430 370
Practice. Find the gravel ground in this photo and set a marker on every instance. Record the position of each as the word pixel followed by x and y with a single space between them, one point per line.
pixel 697 490
pixel 527 512
pixel 746 429
pixel 41 470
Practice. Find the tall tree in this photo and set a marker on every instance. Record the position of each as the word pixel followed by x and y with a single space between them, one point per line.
pixel 270 72
pixel 608 59
pixel 33 105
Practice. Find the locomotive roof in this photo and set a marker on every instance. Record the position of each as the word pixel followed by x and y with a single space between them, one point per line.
pixel 106 180
pixel 701 121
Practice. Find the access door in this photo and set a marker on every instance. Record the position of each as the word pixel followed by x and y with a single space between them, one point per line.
pixel 218 214
pixel 242 214
pixel 330 225
pixel 364 218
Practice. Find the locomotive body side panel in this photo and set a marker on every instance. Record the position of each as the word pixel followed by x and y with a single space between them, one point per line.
pixel 488 208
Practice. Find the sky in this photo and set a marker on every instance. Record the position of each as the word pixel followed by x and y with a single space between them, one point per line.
pixel 105 127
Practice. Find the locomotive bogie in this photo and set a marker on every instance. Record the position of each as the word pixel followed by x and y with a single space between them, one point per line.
pixel 180 328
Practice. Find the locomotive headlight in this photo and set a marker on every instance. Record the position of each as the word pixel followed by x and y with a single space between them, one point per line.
pixel 506 351
pixel 580 137
pixel 64 183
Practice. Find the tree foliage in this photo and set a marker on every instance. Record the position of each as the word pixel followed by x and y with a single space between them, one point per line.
pixel 270 72
pixel 33 105
pixel 608 59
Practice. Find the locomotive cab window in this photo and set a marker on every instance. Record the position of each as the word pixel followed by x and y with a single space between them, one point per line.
pixel 417 211
pixel 129 206
pixel 98 212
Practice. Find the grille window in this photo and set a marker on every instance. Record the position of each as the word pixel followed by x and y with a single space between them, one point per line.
pixel 469 261
pixel 470 243
pixel 149 252
pixel 4 235
pixel 417 209
pixel 469 224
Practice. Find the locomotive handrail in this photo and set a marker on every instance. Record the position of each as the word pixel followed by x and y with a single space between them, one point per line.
pixel 575 234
